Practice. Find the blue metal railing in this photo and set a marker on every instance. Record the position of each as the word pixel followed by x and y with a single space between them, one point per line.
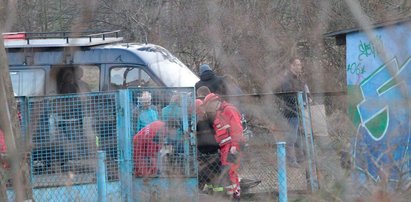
pixel 101 177
pixel 282 172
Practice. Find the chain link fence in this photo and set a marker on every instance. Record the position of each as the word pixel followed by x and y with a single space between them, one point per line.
pixel 164 144
pixel 271 118
pixel 65 132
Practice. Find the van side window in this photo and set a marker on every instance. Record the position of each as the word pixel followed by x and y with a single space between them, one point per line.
pixel 74 79
pixel 123 77
pixel 28 82
pixel 90 76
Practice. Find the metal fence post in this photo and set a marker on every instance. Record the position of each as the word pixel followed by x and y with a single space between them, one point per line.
pixel 184 107
pixel 309 142
pixel 124 135
pixel 101 176
pixel 282 172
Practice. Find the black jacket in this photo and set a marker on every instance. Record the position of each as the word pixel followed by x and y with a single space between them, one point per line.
pixel 206 142
pixel 214 83
pixel 290 85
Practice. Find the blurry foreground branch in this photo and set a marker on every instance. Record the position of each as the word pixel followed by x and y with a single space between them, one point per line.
pixel 10 125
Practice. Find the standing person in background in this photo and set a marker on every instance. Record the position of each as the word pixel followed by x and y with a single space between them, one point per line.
pixel 213 82
pixel 224 86
pixel 229 135
pixel 83 86
pixel 66 81
pixel 292 82
pixel 147 113
pixel 173 111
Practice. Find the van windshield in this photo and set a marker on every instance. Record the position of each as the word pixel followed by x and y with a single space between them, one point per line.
pixel 175 75
pixel 167 67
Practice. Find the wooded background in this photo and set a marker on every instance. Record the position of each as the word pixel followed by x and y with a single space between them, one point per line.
pixel 250 40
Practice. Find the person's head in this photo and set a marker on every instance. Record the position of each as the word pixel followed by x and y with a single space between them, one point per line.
pixel 296 66
pixel 145 99
pixel 211 103
pixel 175 99
pixel 66 76
pixel 204 68
pixel 203 91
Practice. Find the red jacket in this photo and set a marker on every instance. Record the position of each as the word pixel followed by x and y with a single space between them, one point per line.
pixel 227 126
pixel 147 143
pixel 3 149
pixel 3 146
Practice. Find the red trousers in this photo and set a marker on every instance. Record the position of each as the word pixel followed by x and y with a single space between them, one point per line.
pixel 233 166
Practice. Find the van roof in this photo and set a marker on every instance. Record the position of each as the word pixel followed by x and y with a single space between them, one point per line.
pixel 59 39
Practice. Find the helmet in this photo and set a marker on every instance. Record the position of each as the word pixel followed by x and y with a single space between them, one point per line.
pixel 210 97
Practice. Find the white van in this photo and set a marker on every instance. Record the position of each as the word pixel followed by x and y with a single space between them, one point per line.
pixel 37 60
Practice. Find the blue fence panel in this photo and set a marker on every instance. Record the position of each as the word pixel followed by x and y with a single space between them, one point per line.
pixel 164 146
pixel 149 141
pixel 66 132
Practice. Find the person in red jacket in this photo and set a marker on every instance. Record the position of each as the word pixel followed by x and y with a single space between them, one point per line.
pixel 147 144
pixel 229 135
pixel 3 151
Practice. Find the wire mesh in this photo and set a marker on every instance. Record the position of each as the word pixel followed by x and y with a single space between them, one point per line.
pixel 66 133
pixel 163 144
pixel 272 118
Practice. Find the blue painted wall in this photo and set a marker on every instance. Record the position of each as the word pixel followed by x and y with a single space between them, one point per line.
pixel 379 90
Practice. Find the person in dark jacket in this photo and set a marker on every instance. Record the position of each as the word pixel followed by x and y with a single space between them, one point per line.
pixel 206 143
pixel 224 86
pixel 208 157
pixel 292 83
pixel 213 82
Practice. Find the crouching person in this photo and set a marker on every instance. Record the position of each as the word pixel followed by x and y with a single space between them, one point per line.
pixel 226 121
pixel 147 144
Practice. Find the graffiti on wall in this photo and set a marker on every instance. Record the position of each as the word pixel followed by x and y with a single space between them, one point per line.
pixel 365 49
pixel 379 92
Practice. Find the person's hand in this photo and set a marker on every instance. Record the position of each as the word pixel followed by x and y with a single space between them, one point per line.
pixel 233 150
